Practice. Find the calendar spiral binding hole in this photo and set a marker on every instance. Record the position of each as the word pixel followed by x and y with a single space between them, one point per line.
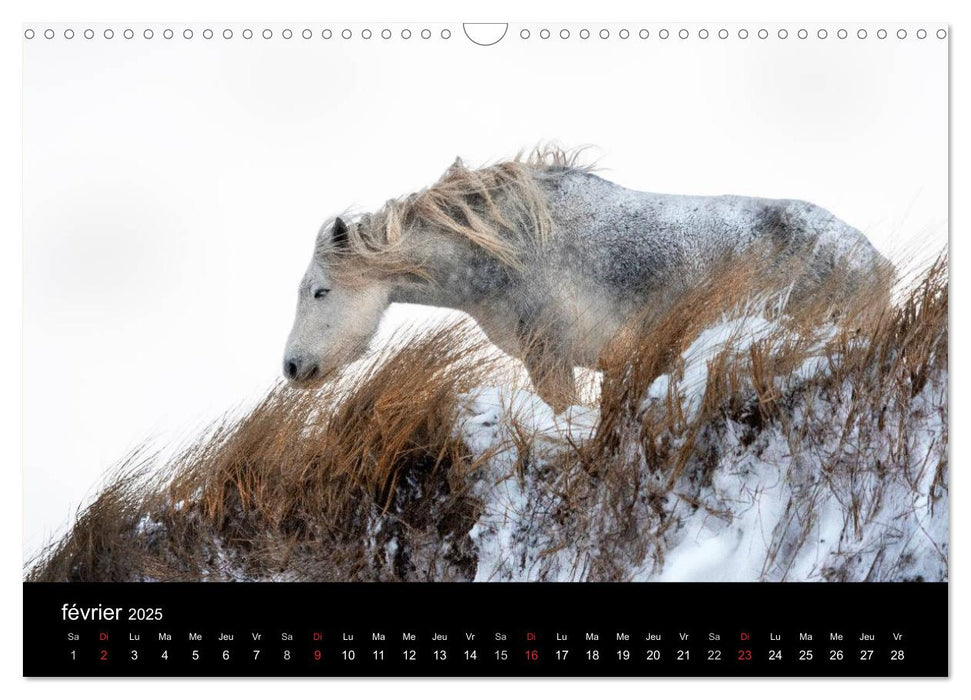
pixel 543 33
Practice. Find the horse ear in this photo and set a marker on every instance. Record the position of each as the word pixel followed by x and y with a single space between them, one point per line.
pixel 456 166
pixel 339 232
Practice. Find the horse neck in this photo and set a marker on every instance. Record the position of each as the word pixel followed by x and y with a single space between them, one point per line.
pixel 457 273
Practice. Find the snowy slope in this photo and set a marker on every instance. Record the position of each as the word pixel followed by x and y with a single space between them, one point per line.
pixel 770 506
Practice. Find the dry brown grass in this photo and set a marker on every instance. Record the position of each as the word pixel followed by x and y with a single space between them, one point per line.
pixel 298 482
pixel 368 479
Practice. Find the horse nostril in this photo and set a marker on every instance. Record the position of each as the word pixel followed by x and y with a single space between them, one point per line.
pixel 299 369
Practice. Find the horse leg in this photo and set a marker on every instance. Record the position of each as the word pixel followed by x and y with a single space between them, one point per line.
pixel 554 382
pixel 545 351
pixel 552 375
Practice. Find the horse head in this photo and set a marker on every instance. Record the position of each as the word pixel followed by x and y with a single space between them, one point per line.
pixel 336 315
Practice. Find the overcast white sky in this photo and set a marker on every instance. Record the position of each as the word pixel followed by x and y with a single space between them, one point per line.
pixel 173 188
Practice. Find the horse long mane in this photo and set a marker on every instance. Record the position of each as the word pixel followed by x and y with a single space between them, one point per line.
pixel 499 208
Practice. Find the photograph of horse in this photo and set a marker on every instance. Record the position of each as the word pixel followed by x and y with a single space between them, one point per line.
pixel 553 261
pixel 641 387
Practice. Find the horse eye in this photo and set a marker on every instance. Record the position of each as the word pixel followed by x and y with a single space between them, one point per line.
pixel 320 293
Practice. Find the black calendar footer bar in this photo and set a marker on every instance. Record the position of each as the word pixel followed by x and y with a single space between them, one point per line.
pixel 511 629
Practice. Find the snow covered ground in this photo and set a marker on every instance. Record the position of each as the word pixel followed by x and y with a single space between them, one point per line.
pixel 861 500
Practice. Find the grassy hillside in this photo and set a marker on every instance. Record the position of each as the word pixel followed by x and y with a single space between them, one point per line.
pixel 730 441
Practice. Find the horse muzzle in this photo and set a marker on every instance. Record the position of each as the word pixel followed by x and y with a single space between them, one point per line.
pixel 299 369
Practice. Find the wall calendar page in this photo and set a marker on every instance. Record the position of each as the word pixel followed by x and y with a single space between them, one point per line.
pixel 370 349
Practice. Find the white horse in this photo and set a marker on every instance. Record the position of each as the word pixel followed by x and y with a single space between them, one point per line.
pixel 550 260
